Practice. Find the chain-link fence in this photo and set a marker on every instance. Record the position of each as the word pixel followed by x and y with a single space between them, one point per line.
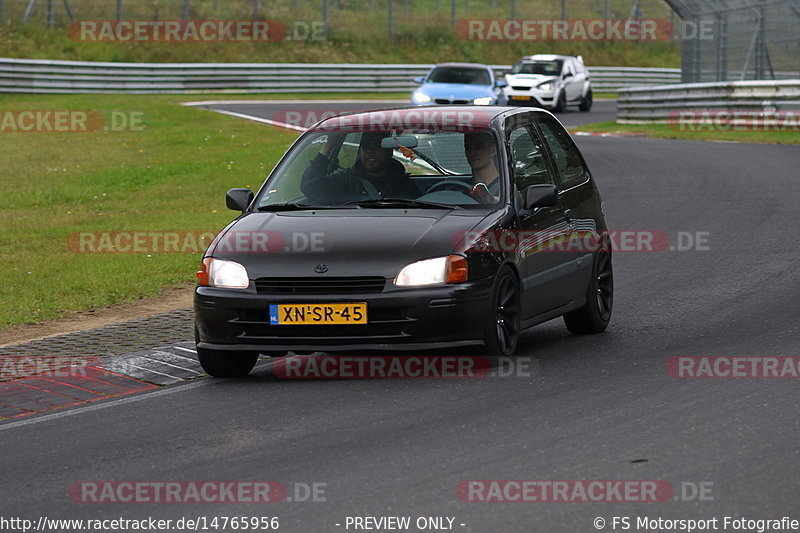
pixel 727 40
pixel 345 15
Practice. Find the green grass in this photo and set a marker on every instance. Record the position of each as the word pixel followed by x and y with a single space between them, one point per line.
pixel 669 131
pixel 172 176
pixel 356 34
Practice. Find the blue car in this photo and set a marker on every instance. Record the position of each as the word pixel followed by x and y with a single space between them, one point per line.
pixel 459 83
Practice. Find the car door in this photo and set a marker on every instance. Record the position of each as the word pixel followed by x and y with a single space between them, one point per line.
pixel 572 85
pixel 576 199
pixel 544 267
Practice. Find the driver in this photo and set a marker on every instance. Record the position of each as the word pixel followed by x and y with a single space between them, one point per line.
pixel 375 173
pixel 481 153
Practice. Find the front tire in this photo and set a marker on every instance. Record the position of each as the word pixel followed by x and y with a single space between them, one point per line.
pixel 503 324
pixel 586 102
pixel 596 314
pixel 226 364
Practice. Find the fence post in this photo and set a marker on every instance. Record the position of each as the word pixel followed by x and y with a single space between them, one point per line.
pixel 119 9
pixel 513 9
pixel 325 16
pixel 51 14
pixel 563 9
pixel 390 19
pixel 256 9
pixel 185 10
pixel 1 11
pixel 453 14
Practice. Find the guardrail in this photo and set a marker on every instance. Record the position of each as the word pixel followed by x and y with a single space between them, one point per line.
pixel 662 104
pixel 52 76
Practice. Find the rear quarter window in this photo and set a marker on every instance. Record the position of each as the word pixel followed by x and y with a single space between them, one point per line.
pixel 569 163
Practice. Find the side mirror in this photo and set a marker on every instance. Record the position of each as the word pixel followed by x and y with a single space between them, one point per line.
pixel 542 195
pixel 500 83
pixel 419 79
pixel 567 75
pixel 238 199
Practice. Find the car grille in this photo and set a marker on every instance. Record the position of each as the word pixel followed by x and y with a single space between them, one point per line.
pixel 321 285
pixel 383 323
pixel 520 88
pixel 454 102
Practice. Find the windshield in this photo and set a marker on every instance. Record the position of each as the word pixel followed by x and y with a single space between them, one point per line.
pixel 469 76
pixel 422 169
pixel 543 68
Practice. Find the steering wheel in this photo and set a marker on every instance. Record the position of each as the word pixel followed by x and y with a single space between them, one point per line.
pixel 467 187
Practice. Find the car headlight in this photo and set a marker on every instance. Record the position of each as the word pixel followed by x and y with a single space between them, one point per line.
pixel 483 100
pixel 220 273
pixel 546 86
pixel 439 270
pixel 421 98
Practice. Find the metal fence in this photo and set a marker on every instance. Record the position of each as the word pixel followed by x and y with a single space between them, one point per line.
pixel 661 104
pixel 43 76
pixel 739 39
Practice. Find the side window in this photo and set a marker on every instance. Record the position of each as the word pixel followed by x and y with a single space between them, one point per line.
pixel 566 156
pixel 527 159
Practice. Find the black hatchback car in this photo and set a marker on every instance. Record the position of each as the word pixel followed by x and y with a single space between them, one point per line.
pixel 408 229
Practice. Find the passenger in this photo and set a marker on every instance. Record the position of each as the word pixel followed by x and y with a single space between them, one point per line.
pixel 375 174
pixel 480 150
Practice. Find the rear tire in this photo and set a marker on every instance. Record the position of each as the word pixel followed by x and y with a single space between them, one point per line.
pixel 596 314
pixel 503 323
pixel 226 364
pixel 586 102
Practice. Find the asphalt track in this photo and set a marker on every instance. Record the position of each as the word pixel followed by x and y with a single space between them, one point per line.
pixel 600 407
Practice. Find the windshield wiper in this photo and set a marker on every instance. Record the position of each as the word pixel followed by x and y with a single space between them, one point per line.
pixel 294 206
pixel 401 202
pixel 431 162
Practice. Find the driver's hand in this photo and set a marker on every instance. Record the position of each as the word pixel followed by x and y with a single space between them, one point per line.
pixel 334 140
pixel 480 192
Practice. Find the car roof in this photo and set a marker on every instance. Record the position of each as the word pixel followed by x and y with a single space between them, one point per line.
pixel 546 57
pixel 453 117
pixel 462 65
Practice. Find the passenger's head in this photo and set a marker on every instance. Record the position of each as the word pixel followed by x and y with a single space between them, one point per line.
pixel 480 149
pixel 374 158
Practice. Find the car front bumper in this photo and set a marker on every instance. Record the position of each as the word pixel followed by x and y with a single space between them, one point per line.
pixel 531 98
pixel 398 319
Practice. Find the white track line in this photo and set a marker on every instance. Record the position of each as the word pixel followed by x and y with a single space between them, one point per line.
pixel 184 349
pixel 259 119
